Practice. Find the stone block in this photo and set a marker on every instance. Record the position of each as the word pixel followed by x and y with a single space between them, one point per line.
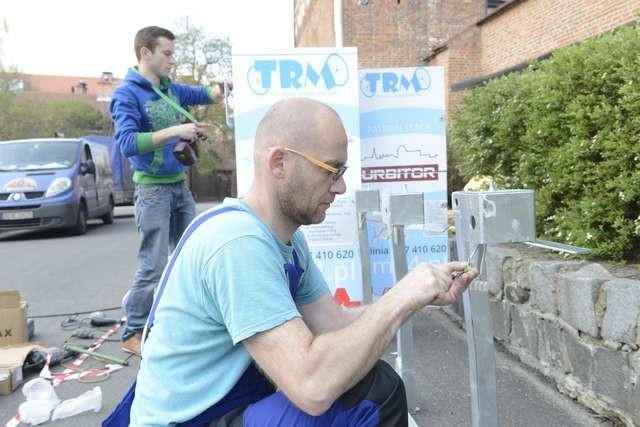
pixel 543 283
pixel 500 317
pixel 495 259
pixel 612 375
pixel 580 357
pixel 633 405
pixel 551 346
pixel 622 311
pixel 516 295
pixel 578 295
pixel 524 329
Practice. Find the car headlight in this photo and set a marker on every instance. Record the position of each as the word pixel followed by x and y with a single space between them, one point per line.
pixel 58 186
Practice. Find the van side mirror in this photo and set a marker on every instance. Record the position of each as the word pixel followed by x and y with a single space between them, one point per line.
pixel 88 167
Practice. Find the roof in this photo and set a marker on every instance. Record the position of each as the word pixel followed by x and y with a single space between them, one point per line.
pixel 63 84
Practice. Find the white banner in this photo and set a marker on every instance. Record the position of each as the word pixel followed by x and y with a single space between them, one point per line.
pixel 328 75
pixel 404 149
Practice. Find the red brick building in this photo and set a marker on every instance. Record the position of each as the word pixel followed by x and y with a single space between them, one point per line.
pixel 95 91
pixel 389 33
pixel 474 40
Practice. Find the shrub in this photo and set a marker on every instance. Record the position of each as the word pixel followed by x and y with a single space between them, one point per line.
pixel 568 127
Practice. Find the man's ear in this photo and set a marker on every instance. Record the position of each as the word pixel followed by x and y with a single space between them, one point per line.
pixel 275 161
pixel 144 51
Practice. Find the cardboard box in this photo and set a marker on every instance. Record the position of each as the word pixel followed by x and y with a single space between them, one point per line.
pixel 11 360
pixel 13 318
pixel 10 379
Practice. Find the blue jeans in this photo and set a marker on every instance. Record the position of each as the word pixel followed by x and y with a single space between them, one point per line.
pixel 162 212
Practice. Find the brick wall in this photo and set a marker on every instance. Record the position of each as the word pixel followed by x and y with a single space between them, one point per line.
pixel 522 31
pixel 531 28
pixel 461 61
pixel 387 33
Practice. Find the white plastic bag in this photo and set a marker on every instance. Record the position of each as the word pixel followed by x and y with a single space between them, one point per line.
pixel 88 401
pixel 41 399
pixel 39 389
pixel 35 411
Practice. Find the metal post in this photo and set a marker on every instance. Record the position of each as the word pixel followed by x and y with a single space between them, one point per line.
pixel 405 209
pixel 366 201
pixel 485 218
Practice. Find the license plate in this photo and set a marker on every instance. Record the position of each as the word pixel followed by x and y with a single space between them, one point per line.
pixel 17 215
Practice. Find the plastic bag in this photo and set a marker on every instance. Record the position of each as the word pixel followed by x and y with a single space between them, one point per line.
pixel 35 411
pixel 88 401
pixel 41 400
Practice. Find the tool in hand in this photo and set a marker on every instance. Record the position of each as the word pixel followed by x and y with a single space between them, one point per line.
pixel 457 274
pixel 228 109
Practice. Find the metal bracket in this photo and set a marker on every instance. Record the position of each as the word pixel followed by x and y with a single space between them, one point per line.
pixel 559 247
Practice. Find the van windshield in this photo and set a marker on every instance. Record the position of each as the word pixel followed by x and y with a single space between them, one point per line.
pixel 35 155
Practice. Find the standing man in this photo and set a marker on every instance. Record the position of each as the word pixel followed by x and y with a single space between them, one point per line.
pixel 243 305
pixel 147 128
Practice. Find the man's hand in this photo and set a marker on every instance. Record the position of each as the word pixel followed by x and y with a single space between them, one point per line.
pixel 434 284
pixel 189 131
pixel 217 89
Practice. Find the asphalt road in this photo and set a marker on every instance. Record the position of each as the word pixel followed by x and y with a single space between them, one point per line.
pixel 58 274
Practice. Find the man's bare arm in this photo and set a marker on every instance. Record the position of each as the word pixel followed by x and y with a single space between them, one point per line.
pixel 314 370
pixel 325 315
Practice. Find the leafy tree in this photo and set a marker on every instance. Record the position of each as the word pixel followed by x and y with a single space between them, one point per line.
pixel 200 60
pixel 23 116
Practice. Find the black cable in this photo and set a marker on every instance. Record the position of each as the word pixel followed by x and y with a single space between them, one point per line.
pixel 72 323
pixel 45 316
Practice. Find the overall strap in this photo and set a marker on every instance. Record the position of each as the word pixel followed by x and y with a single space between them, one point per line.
pixel 183 239
pixel 294 274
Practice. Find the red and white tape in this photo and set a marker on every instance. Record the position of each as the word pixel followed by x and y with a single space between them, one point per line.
pixel 71 372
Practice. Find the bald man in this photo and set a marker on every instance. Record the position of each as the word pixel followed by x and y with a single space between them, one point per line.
pixel 242 301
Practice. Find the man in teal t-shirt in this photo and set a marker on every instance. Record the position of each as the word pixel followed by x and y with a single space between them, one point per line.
pixel 242 290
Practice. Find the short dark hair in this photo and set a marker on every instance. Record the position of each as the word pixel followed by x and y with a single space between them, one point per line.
pixel 148 37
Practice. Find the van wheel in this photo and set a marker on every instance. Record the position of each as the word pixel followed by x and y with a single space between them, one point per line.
pixel 108 217
pixel 81 221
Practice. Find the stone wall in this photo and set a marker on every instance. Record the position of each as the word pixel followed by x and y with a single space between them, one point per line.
pixel 576 322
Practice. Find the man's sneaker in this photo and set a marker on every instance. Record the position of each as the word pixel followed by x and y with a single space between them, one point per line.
pixel 132 344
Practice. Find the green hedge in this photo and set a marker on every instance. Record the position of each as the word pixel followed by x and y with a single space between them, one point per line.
pixel 568 127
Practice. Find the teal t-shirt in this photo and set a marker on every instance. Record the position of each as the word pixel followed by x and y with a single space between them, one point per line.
pixel 227 284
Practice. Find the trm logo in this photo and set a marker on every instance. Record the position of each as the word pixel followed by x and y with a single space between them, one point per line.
pixel 390 83
pixel 290 74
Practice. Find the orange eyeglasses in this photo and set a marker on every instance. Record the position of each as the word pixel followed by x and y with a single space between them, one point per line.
pixel 336 173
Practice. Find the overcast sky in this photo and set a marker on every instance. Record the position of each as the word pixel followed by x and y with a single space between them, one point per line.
pixel 85 38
